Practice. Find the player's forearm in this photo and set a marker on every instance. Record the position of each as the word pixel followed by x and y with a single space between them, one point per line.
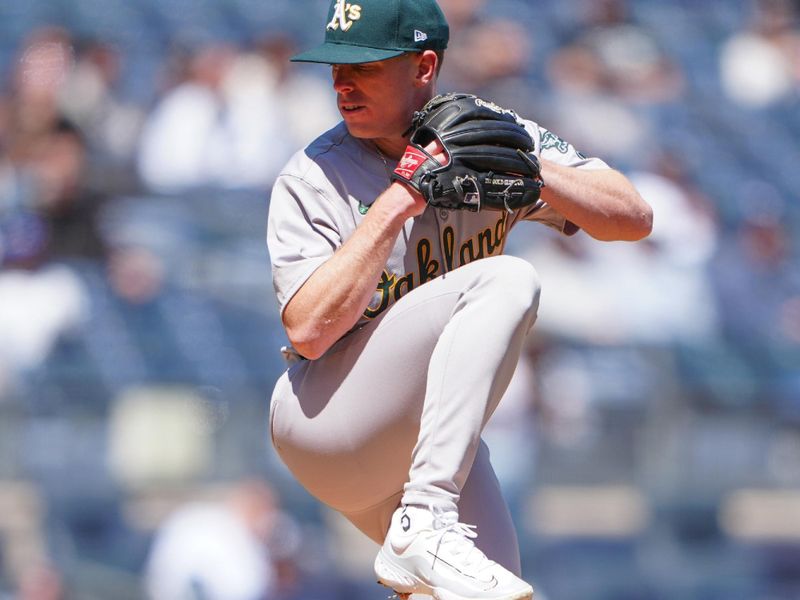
pixel 602 202
pixel 335 296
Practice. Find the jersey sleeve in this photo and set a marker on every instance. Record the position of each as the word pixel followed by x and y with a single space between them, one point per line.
pixel 550 146
pixel 302 233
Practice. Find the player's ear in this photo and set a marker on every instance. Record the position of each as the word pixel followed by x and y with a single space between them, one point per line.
pixel 427 68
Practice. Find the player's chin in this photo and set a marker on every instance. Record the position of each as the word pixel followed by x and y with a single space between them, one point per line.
pixel 364 126
pixel 358 127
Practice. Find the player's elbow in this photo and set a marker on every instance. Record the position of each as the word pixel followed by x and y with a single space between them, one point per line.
pixel 632 223
pixel 308 342
pixel 635 217
pixel 631 217
pixel 641 221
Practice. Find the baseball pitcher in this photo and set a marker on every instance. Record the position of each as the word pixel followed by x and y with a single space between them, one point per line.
pixel 406 321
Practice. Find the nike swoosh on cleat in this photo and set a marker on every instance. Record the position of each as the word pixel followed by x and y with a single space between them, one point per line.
pixel 492 583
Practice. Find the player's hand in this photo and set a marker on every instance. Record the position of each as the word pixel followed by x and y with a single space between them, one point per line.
pixel 417 203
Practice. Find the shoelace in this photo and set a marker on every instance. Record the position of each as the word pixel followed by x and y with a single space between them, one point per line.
pixel 458 536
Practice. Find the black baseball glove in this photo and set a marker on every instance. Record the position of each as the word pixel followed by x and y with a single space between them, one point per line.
pixel 491 162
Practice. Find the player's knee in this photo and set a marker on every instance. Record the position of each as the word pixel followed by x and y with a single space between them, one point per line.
pixel 516 281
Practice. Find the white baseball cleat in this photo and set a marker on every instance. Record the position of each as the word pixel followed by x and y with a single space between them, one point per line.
pixel 430 552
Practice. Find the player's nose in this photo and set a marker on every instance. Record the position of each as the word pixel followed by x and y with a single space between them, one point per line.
pixel 342 79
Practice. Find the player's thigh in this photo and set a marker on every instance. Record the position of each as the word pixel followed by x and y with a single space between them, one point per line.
pixel 482 504
pixel 346 424
pixel 373 381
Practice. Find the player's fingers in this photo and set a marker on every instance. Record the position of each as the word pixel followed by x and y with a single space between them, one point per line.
pixel 437 151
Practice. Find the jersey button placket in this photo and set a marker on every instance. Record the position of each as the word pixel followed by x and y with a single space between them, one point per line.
pixel 444 214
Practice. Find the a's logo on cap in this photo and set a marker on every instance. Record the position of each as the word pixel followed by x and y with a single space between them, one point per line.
pixel 343 16
pixel 420 36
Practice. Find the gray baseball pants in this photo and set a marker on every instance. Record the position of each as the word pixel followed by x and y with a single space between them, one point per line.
pixel 394 411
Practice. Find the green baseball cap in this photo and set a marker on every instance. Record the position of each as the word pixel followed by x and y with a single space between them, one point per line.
pixel 361 31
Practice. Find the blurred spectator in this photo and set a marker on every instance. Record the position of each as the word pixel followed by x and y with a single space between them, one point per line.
pixel 489 57
pixel 111 125
pixel 45 203
pixel 494 64
pixel 233 120
pixel 758 280
pixel 632 64
pixel 136 274
pixel 41 582
pixel 36 309
pixel 305 104
pixel 652 292
pixel 217 551
pixel 461 15
pixel 185 142
pixel 760 65
pixel 41 150
pixel 46 213
pixel 612 67
pixel 620 69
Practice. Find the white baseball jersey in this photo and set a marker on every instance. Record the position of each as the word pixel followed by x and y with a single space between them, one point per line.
pixel 325 190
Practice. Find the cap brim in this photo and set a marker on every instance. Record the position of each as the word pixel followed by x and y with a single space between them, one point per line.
pixel 341 54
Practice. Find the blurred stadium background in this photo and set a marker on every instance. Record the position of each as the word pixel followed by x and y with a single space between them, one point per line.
pixel 650 443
